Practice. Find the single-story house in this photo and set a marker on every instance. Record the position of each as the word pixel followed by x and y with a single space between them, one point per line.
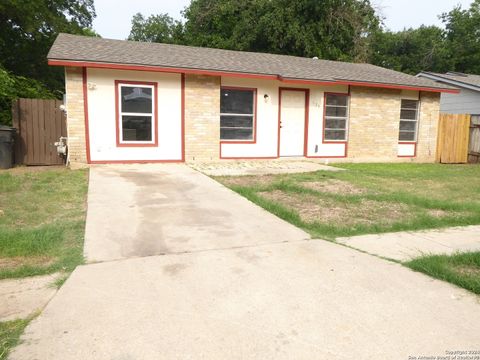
pixel 148 102
pixel 467 101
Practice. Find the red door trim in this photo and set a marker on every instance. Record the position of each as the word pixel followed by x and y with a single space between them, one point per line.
pixel 307 106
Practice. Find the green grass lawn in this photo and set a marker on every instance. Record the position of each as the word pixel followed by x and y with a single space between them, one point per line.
pixel 10 332
pixel 368 198
pixel 460 269
pixel 42 220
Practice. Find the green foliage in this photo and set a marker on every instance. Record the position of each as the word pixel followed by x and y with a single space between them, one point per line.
pixel 13 87
pixel 330 29
pixel 412 50
pixel 28 29
pixel 348 30
pixel 463 37
pixel 156 28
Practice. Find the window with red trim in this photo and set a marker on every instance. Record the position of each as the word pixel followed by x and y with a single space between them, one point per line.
pixel 136 113
pixel 336 117
pixel 237 114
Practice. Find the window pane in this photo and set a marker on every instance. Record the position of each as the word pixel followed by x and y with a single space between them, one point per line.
pixel 236 134
pixel 336 111
pixel 334 134
pixel 137 128
pixel 408 125
pixel 136 99
pixel 408 114
pixel 236 121
pixel 409 104
pixel 341 100
pixel 236 101
pixel 335 124
pixel 407 136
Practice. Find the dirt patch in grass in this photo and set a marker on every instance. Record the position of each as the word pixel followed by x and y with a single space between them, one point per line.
pixel 247 181
pixel 13 262
pixel 314 209
pixel 437 213
pixel 467 270
pixel 334 186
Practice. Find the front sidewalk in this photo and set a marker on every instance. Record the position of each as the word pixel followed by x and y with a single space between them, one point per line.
pixel 406 245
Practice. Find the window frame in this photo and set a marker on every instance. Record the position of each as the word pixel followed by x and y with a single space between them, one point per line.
pixel 347 118
pixel 417 120
pixel 119 113
pixel 253 140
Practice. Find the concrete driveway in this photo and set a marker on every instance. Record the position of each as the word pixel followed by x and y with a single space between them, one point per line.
pixel 144 210
pixel 278 295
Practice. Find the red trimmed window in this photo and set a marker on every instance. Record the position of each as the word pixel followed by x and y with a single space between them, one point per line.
pixel 136 114
pixel 336 117
pixel 237 114
pixel 408 121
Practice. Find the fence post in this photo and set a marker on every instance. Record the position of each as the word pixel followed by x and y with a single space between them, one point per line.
pixel 17 149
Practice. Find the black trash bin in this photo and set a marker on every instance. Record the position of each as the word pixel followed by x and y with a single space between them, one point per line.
pixel 6 147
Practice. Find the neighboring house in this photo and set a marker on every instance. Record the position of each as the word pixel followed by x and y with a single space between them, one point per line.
pixel 467 101
pixel 148 102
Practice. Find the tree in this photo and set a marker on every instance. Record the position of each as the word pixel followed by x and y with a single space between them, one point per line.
pixel 330 29
pixel 463 37
pixel 411 50
pixel 13 87
pixel 156 28
pixel 28 29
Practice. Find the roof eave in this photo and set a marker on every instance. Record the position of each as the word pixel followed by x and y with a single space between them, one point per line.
pixel 448 81
pixel 139 67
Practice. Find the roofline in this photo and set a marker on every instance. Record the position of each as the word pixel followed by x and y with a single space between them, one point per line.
pixel 440 78
pixel 116 66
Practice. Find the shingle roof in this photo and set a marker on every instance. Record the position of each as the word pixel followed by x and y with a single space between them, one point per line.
pixel 90 49
pixel 455 78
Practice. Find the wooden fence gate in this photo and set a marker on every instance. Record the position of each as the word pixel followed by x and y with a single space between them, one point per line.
pixel 453 138
pixel 39 123
pixel 474 144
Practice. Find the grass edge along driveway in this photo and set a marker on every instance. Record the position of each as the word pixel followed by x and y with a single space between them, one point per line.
pixel 368 198
pixel 377 198
pixel 42 222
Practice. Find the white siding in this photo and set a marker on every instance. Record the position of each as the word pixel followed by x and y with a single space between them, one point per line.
pixel 102 119
pixel 466 102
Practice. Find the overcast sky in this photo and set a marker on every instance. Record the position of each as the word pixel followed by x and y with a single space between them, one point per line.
pixel 114 16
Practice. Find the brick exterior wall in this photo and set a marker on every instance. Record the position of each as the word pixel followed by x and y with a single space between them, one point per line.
pixel 375 120
pixel 75 116
pixel 428 126
pixel 202 118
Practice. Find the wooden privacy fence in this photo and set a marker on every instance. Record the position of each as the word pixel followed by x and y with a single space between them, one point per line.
pixel 39 123
pixel 453 138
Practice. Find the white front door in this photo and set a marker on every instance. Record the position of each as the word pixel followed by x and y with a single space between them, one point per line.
pixel 292 123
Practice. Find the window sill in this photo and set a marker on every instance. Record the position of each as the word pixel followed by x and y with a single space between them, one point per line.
pixel 137 145
pixel 252 141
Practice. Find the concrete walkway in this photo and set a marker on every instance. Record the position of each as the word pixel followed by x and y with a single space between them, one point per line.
pixel 263 167
pixel 404 246
pixel 21 298
pixel 279 295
